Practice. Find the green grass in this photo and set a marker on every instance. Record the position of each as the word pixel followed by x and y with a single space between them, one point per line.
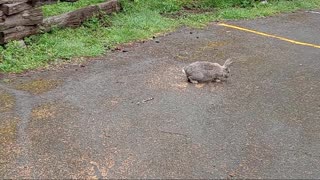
pixel 251 12
pixel 139 20
pixel 63 7
pixel 267 10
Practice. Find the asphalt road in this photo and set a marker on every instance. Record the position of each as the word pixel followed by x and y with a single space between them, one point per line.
pixel 132 114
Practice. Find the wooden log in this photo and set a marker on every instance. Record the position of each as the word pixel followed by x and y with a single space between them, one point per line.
pixel 72 19
pixel 31 2
pixel 12 1
pixel 19 25
pixel 2 16
pixel 110 6
pixel 14 8
pixel 27 17
pixel 17 33
pixel 76 18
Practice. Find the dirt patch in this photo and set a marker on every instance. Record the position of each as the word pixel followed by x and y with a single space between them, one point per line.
pixel 170 77
pixel 112 103
pixel 7 101
pixel 8 147
pixel 39 86
pixel 54 132
pixel 44 112
pixel 8 130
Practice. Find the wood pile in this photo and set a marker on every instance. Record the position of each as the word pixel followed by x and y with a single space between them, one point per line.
pixel 22 18
pixel 18 19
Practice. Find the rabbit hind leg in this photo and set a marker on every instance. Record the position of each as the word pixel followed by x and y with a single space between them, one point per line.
pixel 192 81
pixel 195 78
pixel 217 80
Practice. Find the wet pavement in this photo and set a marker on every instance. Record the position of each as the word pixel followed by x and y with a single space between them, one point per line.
pixel 133 114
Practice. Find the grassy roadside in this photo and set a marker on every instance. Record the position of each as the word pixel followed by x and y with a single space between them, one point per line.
pixel 140 19
pixel 63 7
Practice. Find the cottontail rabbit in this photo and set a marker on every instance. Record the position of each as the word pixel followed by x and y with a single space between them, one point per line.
pixel 203 71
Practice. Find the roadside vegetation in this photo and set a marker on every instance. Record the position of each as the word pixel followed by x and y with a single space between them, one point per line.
pixel 139 20
pixel 63 7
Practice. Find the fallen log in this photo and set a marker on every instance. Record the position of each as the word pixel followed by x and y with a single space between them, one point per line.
pixel 76 18
pixel 72 19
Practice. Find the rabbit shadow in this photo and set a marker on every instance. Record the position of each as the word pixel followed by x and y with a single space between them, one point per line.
pixel 208 86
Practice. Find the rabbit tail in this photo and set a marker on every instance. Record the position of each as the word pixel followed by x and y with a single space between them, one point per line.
pixel 183 70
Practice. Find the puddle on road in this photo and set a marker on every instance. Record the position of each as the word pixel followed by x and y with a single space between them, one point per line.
pixel 39 86
pixel 7 101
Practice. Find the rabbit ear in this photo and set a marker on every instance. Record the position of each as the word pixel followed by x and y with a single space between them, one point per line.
pixel 228 63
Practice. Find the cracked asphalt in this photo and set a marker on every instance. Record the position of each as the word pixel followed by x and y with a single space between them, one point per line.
pixel 133 114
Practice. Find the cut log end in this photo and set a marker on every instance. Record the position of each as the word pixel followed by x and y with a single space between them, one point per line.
pixel 17 33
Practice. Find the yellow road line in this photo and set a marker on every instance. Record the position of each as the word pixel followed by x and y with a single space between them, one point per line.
pixel 269 35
